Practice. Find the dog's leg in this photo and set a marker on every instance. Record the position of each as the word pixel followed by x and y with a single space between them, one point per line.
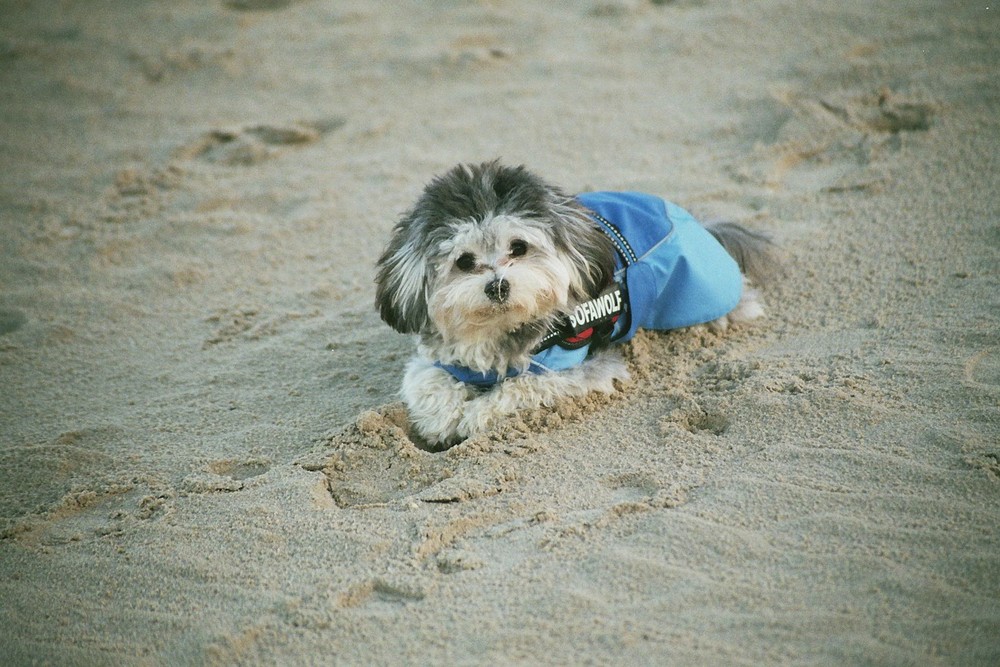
pixel 436 402
pixel 749 308
pixel 532 390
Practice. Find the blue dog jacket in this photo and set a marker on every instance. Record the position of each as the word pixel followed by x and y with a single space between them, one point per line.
pixel 670 273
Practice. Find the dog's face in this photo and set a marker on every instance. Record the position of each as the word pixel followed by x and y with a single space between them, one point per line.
pixel 493 276
pixel 487 253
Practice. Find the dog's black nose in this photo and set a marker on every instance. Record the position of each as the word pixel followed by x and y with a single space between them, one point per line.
pixel 497 290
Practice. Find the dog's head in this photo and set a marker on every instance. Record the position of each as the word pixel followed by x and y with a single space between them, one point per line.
pixel 487 251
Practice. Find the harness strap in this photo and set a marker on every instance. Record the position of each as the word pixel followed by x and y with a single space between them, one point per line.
pixel 617 238
pixel 569 332
pixel 488 379
pixel 577 329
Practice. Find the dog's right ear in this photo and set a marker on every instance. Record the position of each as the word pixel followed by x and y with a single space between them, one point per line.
pixel 402 280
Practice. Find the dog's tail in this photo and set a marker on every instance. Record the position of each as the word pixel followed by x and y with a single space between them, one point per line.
pixel 753 251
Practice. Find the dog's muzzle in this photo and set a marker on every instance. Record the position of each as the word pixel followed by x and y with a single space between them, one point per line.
pixel 497 290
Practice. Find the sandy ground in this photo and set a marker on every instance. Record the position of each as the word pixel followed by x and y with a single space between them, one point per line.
pixel 202 456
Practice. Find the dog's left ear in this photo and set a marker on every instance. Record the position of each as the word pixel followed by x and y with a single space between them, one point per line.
pixel 401 280
pixel 590 252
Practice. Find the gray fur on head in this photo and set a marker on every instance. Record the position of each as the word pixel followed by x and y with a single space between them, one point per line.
pixel 473 194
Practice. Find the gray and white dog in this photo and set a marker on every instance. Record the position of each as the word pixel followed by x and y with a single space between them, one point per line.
pixel 516 289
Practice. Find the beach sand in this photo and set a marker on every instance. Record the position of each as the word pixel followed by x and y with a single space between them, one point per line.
pixel 203 459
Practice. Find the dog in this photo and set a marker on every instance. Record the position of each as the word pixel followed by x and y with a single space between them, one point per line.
pixel 517 290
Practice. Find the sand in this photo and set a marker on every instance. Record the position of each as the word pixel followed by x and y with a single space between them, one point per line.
pixel 203 459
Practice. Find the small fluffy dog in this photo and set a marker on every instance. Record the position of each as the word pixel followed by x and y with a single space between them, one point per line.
pixel 516 288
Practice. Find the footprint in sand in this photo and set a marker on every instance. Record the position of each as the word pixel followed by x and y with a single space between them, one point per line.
pixel 255 144
pixel 697 419
pixel 643 488
pixel 374 461
pixel 831 144
pixel 885 111
pixel 246 323
pixel 982 370
pixel 53 478
pixel 224 476
pixel 257 5
pixel 240 470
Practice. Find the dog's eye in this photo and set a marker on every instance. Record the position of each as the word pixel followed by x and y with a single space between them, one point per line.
pixel 518 248
pixel 466 262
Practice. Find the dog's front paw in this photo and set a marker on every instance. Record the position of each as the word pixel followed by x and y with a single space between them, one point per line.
pixel 436 402
pixel 488 410
pixel 602 371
